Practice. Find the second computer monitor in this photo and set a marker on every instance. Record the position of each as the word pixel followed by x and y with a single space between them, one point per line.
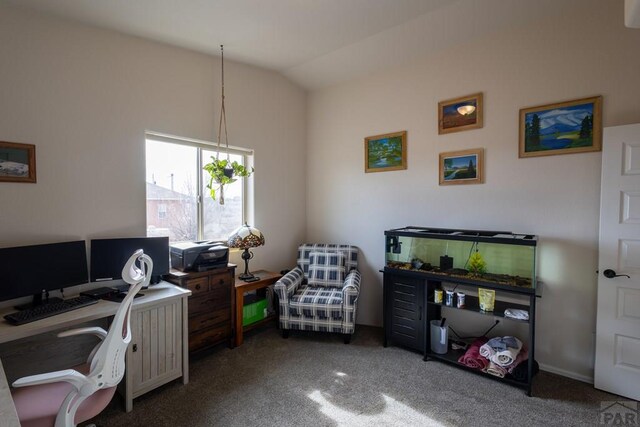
pixel 108 256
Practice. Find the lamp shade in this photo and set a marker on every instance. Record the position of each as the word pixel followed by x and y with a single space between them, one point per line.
pixel 465 110
pixel 245 237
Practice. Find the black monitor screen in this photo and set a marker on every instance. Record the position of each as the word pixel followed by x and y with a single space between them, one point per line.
pixel 30 270
pixel 108 256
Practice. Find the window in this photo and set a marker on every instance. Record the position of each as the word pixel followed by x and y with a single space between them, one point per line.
pixel 178 202
pixel 162 211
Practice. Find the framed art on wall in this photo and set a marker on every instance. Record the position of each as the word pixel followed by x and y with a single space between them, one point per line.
pixel 462 167
pixel 464 113
pixel 561 128
pixel 17 162
pixel 387 152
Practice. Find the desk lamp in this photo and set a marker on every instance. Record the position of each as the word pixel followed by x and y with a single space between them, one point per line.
pixel 245 237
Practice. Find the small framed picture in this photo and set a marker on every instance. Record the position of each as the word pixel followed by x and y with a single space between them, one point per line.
pixel 17 162
pixel 386 152
pixel 462 167
pixel 464 113
pixel 562 128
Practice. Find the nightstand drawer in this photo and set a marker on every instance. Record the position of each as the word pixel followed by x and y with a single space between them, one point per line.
pixel 209 337
pixel 199 285
pixel 209 301
pixel 220 280
pixel 209 319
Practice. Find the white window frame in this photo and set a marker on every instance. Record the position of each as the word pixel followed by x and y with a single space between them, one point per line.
pixel 247 156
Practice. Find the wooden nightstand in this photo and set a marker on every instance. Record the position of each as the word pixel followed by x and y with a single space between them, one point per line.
pixel 267 278
pixel 210 305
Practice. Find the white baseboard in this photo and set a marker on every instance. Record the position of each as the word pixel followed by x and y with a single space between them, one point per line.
pixel 584 378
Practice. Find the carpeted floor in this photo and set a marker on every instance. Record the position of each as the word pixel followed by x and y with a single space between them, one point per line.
pixel 316 380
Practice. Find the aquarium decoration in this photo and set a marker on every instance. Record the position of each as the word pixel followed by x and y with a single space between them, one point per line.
pixel 477 265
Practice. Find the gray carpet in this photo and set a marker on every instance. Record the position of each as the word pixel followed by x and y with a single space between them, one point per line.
pixel 316 380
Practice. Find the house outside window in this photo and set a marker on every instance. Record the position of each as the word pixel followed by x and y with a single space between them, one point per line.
pixel 178 202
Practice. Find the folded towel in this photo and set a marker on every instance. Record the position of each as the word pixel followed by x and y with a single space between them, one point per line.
pixel 472 357
pixel 502 343
pixel 486 351
pixel 496 370
pixel 507 356
pixel 515 313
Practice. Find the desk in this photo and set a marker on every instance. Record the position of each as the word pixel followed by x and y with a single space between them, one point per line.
pixel 159 328
pixel 267 278
pixel 8 415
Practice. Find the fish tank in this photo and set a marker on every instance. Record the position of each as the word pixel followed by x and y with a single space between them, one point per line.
pixel 493 257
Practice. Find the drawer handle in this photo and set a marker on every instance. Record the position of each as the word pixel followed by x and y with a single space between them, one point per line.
pixel 222 281
pixel 135 348
pixel 198 287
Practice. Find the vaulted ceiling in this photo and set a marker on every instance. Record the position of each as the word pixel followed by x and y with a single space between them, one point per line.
pixel 315 43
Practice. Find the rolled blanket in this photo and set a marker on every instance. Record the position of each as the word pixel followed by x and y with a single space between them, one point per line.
pixel 496 370
pixel 522 356
pixel 507 356
pixel 472 357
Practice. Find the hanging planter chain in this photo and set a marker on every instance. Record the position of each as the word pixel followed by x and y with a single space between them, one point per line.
pixel 223 171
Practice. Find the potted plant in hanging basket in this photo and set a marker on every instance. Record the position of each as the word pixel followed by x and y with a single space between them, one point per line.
pixel 221 173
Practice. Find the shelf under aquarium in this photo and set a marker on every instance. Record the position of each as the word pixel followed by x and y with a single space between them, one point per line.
pixel 473 304
pixel 452 357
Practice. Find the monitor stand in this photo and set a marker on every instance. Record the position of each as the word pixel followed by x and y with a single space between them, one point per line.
pixel 37 301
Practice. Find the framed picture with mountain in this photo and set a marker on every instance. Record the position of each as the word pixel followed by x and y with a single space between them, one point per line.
pixel 462 167
pixel 561 128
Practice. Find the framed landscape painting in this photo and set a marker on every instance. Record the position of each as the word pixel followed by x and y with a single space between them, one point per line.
pixel 17 162
pixel 462 167
pixel 386 152
pixel 464 113
pixel 562 128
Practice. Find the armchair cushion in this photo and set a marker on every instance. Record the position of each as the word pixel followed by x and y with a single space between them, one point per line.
pixel 317 301
pixel 326 269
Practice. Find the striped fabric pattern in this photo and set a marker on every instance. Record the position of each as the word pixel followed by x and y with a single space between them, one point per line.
pixel 317 301
pixel 326 269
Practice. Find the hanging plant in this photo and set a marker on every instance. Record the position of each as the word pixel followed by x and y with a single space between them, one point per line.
pixel 223 172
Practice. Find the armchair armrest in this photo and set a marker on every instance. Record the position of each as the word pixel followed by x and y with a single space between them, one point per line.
pixel 99 332
pixel 352 282
pixel 70 376
pixel 287 285
pixel 350 293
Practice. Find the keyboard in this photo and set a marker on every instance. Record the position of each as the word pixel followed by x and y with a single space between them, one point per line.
pixel 48 310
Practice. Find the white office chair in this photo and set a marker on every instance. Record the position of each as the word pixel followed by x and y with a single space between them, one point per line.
pixel 69 397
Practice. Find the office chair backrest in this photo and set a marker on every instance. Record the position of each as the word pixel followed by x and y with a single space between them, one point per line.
pixel 108 360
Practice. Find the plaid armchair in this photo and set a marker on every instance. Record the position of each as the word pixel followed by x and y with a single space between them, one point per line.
pixel 321 292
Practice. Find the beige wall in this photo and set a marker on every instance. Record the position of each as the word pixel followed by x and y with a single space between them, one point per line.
pixel 565 57
pixel 85 97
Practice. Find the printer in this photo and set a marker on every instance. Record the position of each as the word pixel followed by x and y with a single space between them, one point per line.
pixel 199 256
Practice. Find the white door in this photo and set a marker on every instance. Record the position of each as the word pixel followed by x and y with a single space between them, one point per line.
pixel 617 367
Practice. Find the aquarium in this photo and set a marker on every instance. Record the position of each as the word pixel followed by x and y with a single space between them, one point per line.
pixel 498 257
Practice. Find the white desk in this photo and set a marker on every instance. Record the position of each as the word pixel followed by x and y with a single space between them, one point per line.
pixel 8 415
pixel 159 345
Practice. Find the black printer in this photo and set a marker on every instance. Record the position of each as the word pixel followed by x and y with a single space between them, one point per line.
pixel 199 256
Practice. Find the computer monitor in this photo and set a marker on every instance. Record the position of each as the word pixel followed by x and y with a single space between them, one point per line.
pixel 108 256
pixel 34 270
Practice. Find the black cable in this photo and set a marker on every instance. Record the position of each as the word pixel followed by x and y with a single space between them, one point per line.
pixel 473 337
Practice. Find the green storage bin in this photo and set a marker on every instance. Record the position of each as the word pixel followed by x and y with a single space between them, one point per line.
pixel 252 313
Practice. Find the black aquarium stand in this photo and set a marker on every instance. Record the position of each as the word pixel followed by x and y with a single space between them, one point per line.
pixel 409 307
